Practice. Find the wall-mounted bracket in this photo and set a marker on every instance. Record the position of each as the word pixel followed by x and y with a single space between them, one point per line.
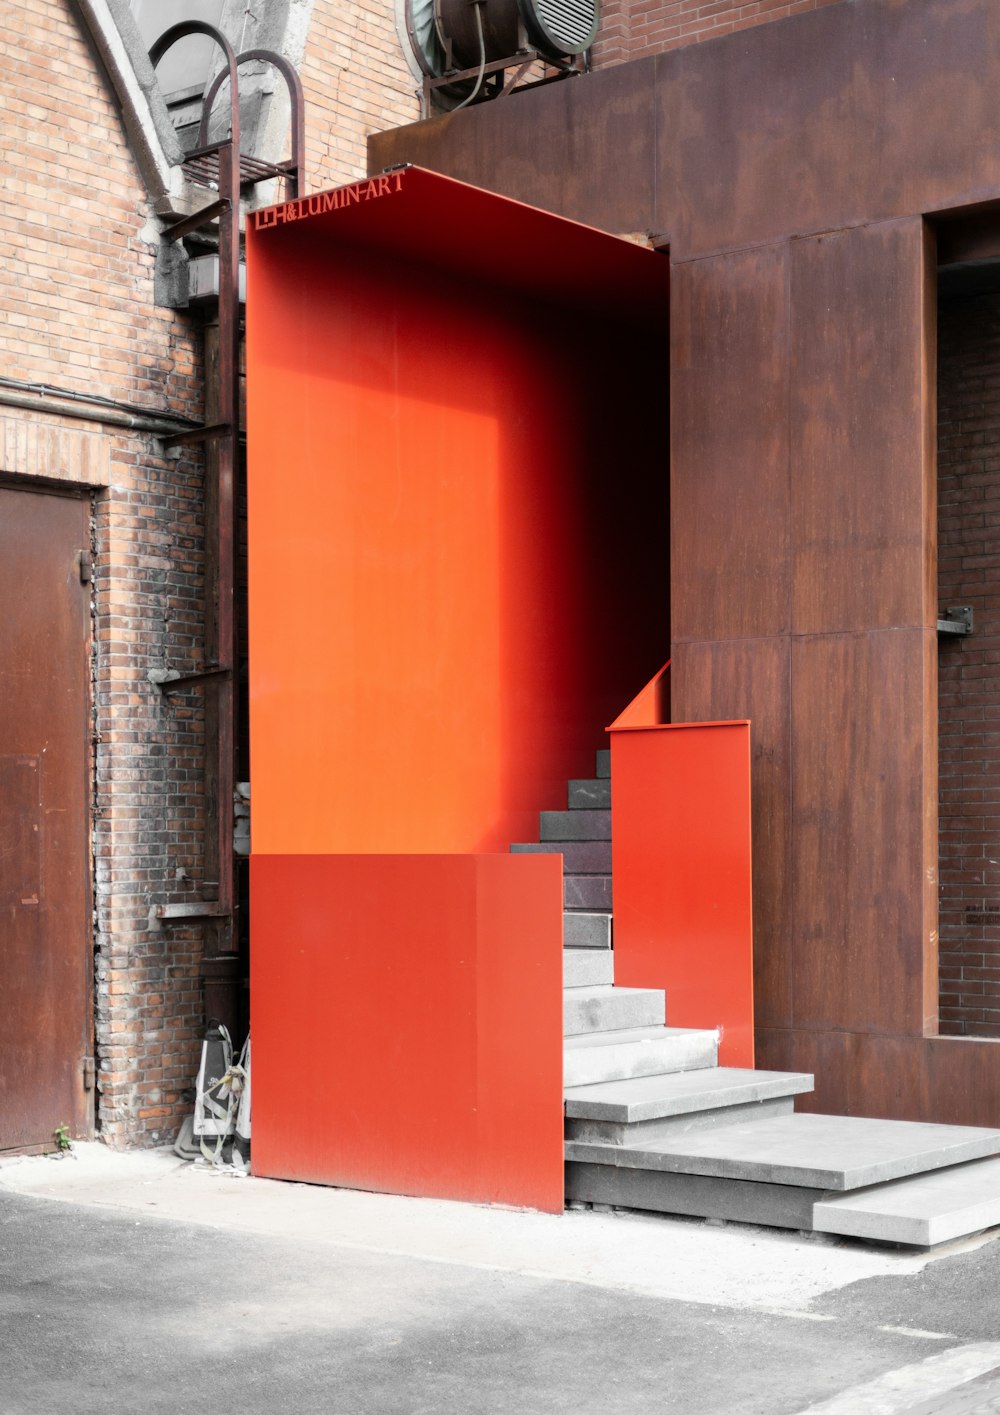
pixel 957 620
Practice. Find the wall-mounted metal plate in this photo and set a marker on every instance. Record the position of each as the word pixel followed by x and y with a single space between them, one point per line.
pixel 957 620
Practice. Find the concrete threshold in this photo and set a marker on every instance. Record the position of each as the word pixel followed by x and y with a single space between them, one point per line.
pixel 727 1266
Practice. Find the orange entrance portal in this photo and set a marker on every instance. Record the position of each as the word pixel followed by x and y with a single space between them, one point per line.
pixel 457 422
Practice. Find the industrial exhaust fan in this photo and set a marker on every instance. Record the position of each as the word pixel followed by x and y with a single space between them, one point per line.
pixel 454 37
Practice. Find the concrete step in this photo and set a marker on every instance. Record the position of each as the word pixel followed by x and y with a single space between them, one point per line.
pixel 588 967
pixel 583 930
pixel 817 1152
pixel 588 892
pixel 695 1195
pixel 557 826
pixel 592 794
pixel 580 857
pixel 642 1051
pixel 603 766
pixel 645 1108
pixel 924 1210
pixel 606 1009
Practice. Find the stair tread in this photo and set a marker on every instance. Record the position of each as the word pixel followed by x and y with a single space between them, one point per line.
pixel 609 990
pixel 580 823
pixel 813 1151
pixel 593 1057
pixel 635 1034
pixel 923 1209
pixel 602 1007
pixel 587 967
pixel 680 1093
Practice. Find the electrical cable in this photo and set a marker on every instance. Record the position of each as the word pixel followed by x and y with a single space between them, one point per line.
pixel 482 58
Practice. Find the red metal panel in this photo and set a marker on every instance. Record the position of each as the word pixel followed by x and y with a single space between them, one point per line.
pixel 680 801
pixel 406 1015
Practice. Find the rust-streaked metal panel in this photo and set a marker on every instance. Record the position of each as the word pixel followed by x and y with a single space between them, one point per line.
pixel 861 486
pixel 46 952
pixel 406 1015
pixel 846 114
pixel 729 464
pixel 834 117
pixel 680 809
pixel 948 1080
pixel 858 722
pixel 583 147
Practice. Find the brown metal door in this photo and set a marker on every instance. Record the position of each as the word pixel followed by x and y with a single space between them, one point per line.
pixel 46 954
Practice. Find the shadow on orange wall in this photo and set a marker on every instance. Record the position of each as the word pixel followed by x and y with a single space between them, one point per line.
pixel 458 528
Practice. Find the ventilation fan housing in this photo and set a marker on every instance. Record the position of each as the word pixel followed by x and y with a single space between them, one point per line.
pixel 557 29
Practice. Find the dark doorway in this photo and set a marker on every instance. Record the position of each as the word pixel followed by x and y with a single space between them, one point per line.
pixel 969 666
pixel 46 955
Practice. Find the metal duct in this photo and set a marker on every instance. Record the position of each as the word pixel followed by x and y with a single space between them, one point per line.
pixel 558 29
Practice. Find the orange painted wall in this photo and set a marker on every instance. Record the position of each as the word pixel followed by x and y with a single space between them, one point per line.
pixel 458 532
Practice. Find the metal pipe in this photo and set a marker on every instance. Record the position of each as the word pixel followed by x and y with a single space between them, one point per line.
pixel 90 413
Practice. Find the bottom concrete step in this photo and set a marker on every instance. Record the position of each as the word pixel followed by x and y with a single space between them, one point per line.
pixel 694 1195
pixel 837 1152
pixel 924 1210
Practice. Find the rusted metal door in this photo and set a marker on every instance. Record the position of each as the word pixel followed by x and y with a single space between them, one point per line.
pixel 46 954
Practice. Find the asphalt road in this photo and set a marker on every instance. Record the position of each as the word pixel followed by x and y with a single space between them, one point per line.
pixel 105 1311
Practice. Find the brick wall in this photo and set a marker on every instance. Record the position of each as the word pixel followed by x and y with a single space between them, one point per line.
pixel 356 81
pixel 969 669
pixel 632 29
pixel 77 312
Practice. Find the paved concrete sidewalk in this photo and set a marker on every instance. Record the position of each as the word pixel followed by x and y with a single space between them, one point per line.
pixel 136 1282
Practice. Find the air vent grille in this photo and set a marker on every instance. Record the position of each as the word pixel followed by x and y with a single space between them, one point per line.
pixel 570 23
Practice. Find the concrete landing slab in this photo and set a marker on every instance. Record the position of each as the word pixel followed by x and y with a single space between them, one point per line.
pixel 650 1097
pixel 813 1151
pixel 923 1211
pixel 636 1051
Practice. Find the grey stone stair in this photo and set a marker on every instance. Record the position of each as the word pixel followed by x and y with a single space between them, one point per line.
pixel 587 967
pixel 574 825
pixel 589 892
pixel 838 1152
pixel 592 794
pixel 606 1009
pixel 772 1170
pixel 580 857
pixel 650 1107
pixel 654 1123
pixel 923 1210
pixel 640 1051
pixel 586 930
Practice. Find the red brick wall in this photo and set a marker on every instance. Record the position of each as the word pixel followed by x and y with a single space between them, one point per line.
pixel 969 676
pixel 631 29
pixel 356 81
pixel 77 254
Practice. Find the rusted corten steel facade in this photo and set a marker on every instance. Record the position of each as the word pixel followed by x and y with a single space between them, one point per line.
pixel 794 168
